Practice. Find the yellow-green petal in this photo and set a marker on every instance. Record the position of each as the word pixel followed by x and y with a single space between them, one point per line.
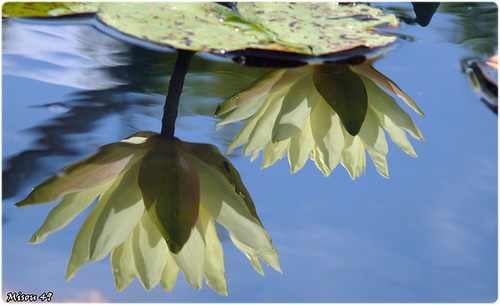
pixel 106 164
pixel 300 147
pixel 82 249
pixel 63 213
pixel 213 265
pixel 122 264
pixel 398 136
pixel 210 155
pixel 273 151
pixel 122 210
pixel 386 83
pixel 170 273
pixel 190 259
pixel 150 252
pixel 246 130
pixel 372 133
pixel 243 112
pixel 328 136
pixel 270 259
pixel 262 132
pixel 230 211
pixel 353 156
pixel 385 104
pixel 259 87
pixel 250 254
pixel 379 160
pixel 139 137
pixel 296 107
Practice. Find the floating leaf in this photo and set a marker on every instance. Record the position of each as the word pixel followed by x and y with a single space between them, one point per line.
pixel 345 92
pixel 306 29
pixel 46 9
pixel 319 28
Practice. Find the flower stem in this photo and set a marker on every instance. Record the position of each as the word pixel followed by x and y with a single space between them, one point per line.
pixel 170 110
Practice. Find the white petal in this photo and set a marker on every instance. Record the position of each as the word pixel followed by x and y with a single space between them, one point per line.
pixel 122 210
pixel 63 213
pixel 80 253
pixel 229 209
pixel 301 145
pixel 246 131
pixel 353 156
pixel 139 137
pixel 296 107
pixel 385 104
pixel 367 71
pixel 169 275
pixel 262 133
pixel 103 166
pixel 398 136
pixel 122 264
pixel 213 266
pixel 257 89
pixel 150 252
pixel 247 128
pixel 273 151
pixel 328 137
pixel 379 160
pixel 372 133
pixel 190 259
pixel 253 256
pixel 242 112
pixel 250 253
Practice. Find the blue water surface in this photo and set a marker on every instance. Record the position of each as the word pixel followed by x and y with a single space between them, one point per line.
pixel 427 234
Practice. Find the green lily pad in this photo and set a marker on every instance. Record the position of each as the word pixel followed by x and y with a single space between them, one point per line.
pixel 46 9
pixel 319 28
pixel 309 29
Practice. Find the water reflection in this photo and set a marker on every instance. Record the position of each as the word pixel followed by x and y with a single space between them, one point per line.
pixel 102 82
pixel 477 25
pixel 421 232
pixel 331 113
pixel 152 189
pixel 102 78
pixel 483 76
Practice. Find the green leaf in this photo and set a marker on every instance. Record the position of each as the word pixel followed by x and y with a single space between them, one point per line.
pixel 171 191
pixel 345 92
pixel 301 28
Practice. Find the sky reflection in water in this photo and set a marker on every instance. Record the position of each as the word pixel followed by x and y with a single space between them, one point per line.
pixel 427 234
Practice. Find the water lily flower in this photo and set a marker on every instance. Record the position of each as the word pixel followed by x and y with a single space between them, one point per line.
pixel 157 201
pixel 330 113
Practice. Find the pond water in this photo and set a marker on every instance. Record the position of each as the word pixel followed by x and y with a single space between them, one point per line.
pixel 427 234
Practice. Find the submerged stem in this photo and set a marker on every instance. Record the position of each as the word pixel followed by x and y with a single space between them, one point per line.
pixel 170 110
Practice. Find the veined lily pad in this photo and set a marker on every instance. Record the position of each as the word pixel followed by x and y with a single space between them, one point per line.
pixel 301 28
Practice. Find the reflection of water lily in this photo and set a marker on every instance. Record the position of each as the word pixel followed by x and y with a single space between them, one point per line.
pixel 150 189
pixel 331 113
